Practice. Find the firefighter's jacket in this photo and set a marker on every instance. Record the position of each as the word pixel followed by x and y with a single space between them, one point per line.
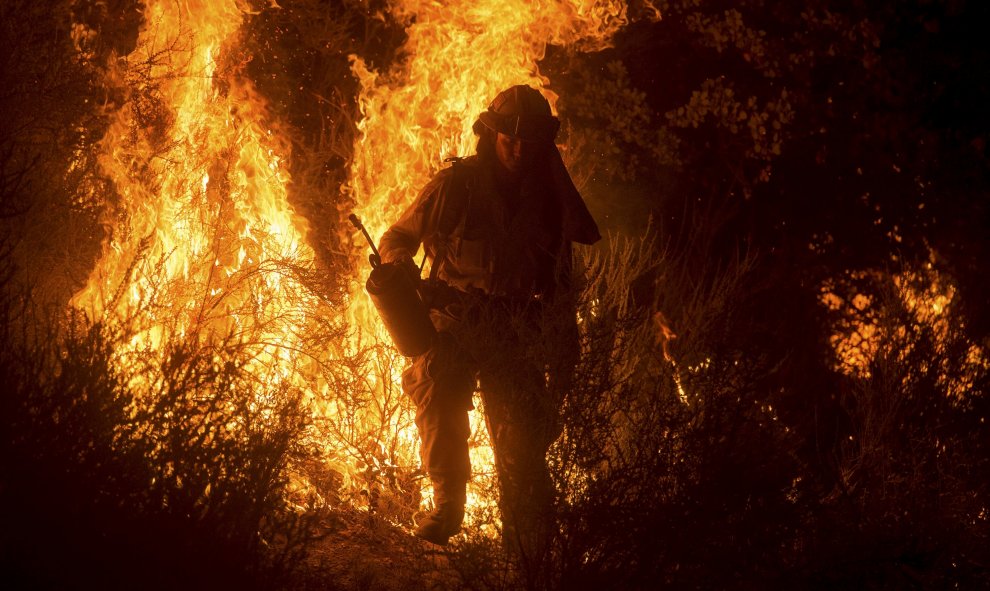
pixel 481 241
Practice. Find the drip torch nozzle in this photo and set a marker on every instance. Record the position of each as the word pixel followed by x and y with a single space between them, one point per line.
pixel 375 258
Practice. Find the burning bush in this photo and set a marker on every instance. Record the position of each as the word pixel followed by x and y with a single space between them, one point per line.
pixel 695 453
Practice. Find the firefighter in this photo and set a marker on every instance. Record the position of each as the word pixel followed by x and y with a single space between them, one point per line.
pixel 497 229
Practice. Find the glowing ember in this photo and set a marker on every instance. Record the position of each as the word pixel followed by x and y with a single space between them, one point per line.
pixel 862 329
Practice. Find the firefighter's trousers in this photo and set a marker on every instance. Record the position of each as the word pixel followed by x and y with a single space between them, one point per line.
pixel 521 420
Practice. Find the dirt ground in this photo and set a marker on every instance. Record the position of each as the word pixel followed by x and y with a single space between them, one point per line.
pixel 361 551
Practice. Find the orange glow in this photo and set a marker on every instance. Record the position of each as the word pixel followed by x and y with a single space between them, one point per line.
pixel 200 173
pixel 925 294
pixel 205 244
pixel 205 237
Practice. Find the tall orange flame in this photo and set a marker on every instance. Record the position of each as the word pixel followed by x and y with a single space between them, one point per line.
pixel 206 231
pixel 207 216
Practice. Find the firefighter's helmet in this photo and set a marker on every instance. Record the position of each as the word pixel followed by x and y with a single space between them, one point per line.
pixel 521 112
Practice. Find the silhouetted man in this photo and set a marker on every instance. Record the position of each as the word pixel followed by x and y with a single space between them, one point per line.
pixel 497 228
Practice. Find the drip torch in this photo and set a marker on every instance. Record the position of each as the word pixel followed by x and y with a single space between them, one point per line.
pixel 395 293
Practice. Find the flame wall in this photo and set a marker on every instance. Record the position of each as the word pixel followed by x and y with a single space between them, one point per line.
pixel 205 241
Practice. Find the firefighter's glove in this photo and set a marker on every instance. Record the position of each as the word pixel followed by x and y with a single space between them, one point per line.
pixel 407 264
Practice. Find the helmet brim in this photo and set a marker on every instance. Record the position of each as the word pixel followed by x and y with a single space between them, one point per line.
pixel 525 127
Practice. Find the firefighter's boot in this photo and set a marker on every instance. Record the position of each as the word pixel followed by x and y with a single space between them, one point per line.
pixel 445 520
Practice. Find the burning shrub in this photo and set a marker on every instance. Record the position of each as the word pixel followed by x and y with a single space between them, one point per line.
pixel 696 452
pixel 906 506
pixel 668 433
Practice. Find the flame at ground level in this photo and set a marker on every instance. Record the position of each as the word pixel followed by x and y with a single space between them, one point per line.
pixel 205 246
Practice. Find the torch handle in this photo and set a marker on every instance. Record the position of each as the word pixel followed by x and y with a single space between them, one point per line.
pixel 376 258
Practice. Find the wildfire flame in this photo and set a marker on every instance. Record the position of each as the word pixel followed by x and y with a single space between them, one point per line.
pixel 203 189
pixel 206 244
pixel 205 232
pixel 462 53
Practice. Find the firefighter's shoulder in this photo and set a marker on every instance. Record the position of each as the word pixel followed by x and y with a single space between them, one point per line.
pixel 458 169
pixel 453 179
